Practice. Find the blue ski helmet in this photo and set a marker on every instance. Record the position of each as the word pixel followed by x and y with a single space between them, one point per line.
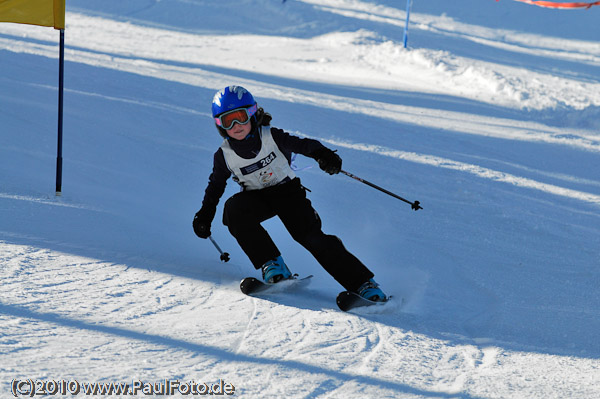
pixel 231 97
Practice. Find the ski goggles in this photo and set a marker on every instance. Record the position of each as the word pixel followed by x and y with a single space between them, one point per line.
pixel 238 115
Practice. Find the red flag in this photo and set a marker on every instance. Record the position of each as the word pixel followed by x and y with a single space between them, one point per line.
pixel 553 4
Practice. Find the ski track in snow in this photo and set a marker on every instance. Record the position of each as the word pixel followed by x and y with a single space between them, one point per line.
pixel 77 326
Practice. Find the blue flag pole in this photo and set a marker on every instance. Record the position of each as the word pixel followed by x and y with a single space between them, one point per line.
pixel 61 73
pixel 408 2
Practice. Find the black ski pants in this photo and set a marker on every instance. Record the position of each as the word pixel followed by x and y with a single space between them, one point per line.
pixel 245 211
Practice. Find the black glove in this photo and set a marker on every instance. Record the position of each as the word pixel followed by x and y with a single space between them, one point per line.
pixel 328 160
pixel 203 220
pixel 263 118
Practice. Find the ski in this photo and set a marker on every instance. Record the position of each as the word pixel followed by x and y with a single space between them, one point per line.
pixel 348 300
pixel 253 286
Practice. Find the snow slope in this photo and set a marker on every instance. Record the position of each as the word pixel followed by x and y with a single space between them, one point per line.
pixel 489 119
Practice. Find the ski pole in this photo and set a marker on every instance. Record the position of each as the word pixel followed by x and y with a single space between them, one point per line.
pixel 414 205
pixel 224 255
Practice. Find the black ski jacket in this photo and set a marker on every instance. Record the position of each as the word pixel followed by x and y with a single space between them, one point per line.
pixel 248 149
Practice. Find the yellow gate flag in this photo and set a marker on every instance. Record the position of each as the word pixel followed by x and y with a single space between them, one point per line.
pixel 34 12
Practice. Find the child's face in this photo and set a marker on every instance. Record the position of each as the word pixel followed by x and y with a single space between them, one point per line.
pixel 239 132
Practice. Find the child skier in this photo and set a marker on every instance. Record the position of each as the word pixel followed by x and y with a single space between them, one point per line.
pixel 259 157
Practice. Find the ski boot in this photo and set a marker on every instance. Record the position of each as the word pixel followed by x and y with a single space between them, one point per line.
pixel 371 291
pixel 275 270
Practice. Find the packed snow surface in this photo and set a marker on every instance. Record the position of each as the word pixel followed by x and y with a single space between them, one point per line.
pixel 489 118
